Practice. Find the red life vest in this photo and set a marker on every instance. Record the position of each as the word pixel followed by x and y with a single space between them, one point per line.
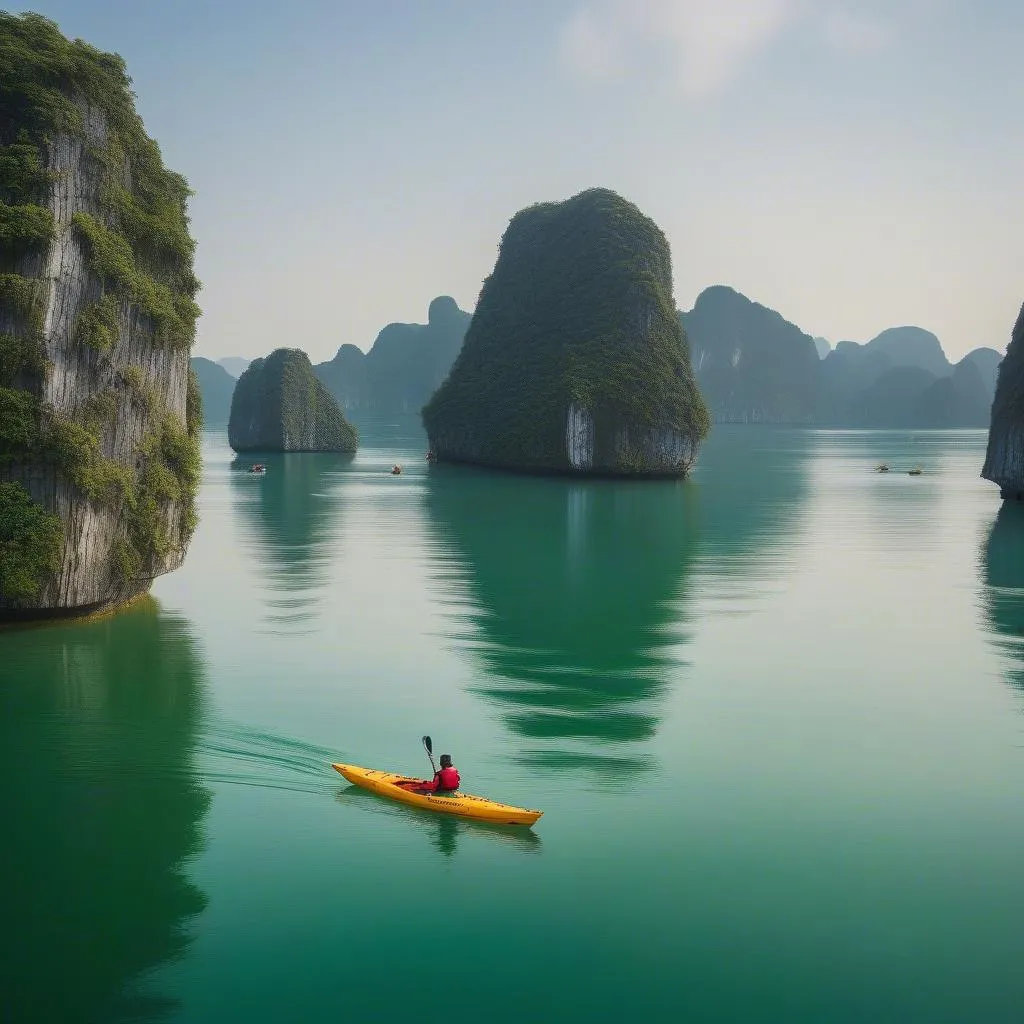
pixel 448 778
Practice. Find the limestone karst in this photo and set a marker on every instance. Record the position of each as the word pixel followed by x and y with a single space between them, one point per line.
pixel 279 405
pixel 575 360
pixel 99 414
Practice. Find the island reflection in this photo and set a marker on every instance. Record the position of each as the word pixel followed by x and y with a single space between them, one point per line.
pixel 291 519
pixel 103 810
pixel 575 585
pixel 1003 574
pixel 581 593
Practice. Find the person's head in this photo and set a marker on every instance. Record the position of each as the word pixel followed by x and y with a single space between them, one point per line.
pixel 446 760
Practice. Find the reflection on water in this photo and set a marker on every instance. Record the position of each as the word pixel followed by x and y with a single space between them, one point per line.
pixel 571 583
pixel 102 812
pixel 1004 584
pixel 444 831
pixel 292 514
pixel 751 488
pixel 577 595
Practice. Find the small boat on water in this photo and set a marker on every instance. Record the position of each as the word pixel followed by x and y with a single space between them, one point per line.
pixel 404 789
pixel 258 469
pixel 883 468
pixel 396 469
pixel 916 471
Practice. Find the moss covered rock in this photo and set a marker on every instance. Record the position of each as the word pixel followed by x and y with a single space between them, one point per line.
pixel 1004 460
pixel 575 360
pixel 100 416
pixel 279 405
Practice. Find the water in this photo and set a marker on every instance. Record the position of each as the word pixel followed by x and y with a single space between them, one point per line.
pixel 773 715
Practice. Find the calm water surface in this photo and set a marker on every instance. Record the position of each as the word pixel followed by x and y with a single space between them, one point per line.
pixel 773 715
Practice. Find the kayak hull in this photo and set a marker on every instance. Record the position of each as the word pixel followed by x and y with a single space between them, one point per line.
pixel 465 805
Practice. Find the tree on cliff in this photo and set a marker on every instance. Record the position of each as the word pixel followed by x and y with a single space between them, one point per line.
pixel 575 360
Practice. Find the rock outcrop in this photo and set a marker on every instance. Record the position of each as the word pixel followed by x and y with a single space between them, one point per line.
pixel 575 360
pixel 962 399
pixel 404 366
pixel 280 406
pixel 1004 460
pixel 911 346
pixel 751 364
pixel 216 386
pixel 902 378
pixel 99 414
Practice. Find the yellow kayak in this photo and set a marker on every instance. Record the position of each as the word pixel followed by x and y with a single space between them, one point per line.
pixel 403 788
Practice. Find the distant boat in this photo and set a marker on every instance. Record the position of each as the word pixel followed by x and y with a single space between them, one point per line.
pixel 258 469
pixel 916 471
pixel 396 469
pixel 883 468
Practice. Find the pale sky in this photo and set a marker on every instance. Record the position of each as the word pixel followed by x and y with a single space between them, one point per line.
pixel 854 164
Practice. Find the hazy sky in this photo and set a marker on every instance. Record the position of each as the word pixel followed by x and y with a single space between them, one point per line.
pixel 853 164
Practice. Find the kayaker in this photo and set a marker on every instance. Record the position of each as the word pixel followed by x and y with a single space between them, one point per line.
pixel 446 778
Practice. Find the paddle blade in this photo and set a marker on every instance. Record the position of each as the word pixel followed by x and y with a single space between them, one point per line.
pixel 428 743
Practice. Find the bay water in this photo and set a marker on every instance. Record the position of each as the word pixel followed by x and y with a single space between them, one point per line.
pixel 772 714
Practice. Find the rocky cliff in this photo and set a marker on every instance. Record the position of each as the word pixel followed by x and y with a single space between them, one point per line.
pixel 575 360
pixel 404 366
pixel 99 415
pixel 1004 460
pixel 280 406
pixel 752 365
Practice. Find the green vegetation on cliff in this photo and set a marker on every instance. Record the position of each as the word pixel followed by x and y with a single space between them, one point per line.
pixel 30 543
pixel 279 405
pixel 577 312
pixel 142 248
pixel 139 253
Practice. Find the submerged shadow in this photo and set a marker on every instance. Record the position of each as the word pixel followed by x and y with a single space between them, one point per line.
pixel 102 811
pixel 1003 576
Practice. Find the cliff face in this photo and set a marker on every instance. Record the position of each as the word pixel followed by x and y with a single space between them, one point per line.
pixel 404 366
pixel 575 360
pixel 752 365
pixel 99 416
pixel 280 406
pixel 1004 460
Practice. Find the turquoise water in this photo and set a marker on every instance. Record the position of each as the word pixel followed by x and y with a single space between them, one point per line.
pixel 773 715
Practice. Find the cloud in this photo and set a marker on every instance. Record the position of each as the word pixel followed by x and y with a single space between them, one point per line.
pixel 704 44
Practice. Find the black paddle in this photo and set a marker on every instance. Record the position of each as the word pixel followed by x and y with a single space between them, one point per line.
pixel 429 747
